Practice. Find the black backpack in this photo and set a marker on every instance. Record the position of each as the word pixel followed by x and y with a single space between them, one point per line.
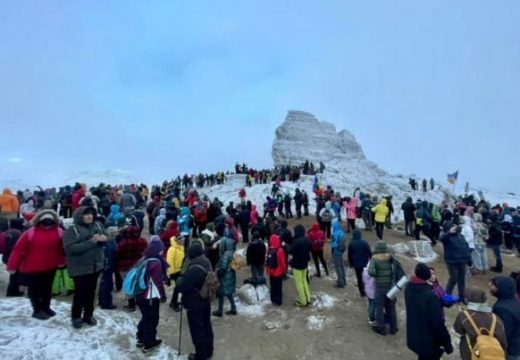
pixel 271 260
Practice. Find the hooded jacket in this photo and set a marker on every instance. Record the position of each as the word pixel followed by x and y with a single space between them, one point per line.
pixel 159 221
pixel 508 309
pixel 130 249
pixel 84 255
pixel 115 215
pixel 8 202
pixel 227 276
pixel 282 265
pixel 316 237
pixel 381 211
pixel 38 249
pixel 358 251
pixel 338 235
pixel 254 215
pixel 456 249
pixel 175 256
pixel 300 249
pixel 255 253
pixel 190 282
pixel 425 328
pixel 408 210
pixel 381 267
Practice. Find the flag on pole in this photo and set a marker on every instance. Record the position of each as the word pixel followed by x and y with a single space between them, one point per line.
pixel 452 178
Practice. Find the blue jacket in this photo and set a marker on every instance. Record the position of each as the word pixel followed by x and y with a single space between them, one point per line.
pixel 184 221
pixel 337 237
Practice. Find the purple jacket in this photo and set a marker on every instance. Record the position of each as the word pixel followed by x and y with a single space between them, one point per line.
pixel 155 275
pixel 370 284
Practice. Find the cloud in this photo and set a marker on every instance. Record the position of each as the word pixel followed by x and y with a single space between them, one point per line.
pixel 14 160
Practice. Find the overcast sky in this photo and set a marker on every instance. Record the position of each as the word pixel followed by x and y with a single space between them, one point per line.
pixel 164 87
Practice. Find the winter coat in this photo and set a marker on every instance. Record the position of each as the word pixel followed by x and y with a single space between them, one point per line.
pixel 381 211
pixel 192 277
pixel 227 276
pixel 175 257
pixel 244 218
pixel 351 208
pixel 300 249
pixel 495 235
pixel 84 255
pixel 154 279
pixel 456 249
pixel 338 235
pixel 483 318
pixel 408 210
pixel 328 208
pixel 425 328
pixel 8 202
pixel 254 216
pixel 76 197
pixel 128 201
pixel 508 309
pixel 38 249
pixel 172 229
pixel 381 266
pixel 468 234
pixel 282 265
pixel 255 253
pixel 480 231
pixel 159 221
pixel 369 283
pixel 115 215
pixel 130 249
pixel 316 237
pixel 358 251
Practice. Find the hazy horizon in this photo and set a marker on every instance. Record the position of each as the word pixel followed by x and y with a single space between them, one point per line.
pixel 165 88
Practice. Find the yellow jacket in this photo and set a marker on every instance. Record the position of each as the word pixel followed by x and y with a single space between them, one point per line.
pixel 381 211
pixel 175 256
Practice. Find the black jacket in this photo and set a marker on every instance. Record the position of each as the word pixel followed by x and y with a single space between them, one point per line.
pixel 255 253
pixel 408 209
pixel 456 249
pixel 495 235
pixel 425 328
pixel 300 249
pixel 260 229
pixel 11 237
pixel 358 253
pixel 508 309
pixel 192 278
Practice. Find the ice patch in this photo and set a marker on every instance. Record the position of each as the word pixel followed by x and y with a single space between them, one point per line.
pixel 316 322
pixel 420 251
pixel 251 311
pixel 25 338
pixel 324 301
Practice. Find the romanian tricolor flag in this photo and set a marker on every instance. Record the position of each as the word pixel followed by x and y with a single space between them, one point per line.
pixel 452 178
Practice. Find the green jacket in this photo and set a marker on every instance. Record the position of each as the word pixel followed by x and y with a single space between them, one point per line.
pixel 84 256
pixel 381 266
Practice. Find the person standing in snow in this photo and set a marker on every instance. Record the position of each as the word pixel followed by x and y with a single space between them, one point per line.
pixel 409 216
pixel 479 255
pixel 36 256
pixel 317 239
pixel 456 256
pixel 305 203
pixel 350 205
pixel 337 248
pixel 227 277
pixel 255 257
pixel 276 273
pixel 381 212
pixel 327 216
pixel 300 251
pixel 359 254
pixel 298 200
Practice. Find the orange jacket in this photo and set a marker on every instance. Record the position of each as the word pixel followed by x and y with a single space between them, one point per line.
pixel 8 202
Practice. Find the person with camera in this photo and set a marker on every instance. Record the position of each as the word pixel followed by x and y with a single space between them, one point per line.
pixel 426 332
pixel 83 243
pixel 457 256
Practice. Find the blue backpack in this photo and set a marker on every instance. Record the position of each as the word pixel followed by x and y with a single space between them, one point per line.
pixel 135 281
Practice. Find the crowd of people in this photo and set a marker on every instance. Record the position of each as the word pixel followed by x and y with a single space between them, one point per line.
pixel 193 245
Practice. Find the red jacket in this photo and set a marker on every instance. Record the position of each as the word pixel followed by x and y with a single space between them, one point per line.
pixel 130 249
pixel 317 238
pixel 76 197
pixel 171 230
pixel 282 265
pixel 38 250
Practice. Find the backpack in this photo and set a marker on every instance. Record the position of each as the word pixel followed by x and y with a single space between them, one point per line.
pixel 210 286
pixel 487 346
pixel 134 282
pixel 271 261
pixel 317 244
pixel 327 216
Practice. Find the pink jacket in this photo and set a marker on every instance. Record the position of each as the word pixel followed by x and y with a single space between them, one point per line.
pixel 350 207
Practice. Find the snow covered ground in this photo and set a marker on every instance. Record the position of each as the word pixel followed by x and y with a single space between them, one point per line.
pixel 25 338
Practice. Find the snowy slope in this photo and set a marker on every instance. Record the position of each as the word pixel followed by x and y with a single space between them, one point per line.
pixel 25 338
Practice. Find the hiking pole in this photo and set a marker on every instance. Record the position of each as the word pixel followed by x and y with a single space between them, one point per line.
pixel 180 326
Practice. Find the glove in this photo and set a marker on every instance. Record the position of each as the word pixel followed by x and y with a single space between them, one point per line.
pixel 448 349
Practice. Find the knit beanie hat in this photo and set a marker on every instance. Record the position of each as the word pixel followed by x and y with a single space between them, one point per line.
pixel 422 271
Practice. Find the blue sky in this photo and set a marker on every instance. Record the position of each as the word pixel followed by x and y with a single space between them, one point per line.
pixel 164 87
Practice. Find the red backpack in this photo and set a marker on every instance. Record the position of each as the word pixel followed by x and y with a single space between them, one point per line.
pixel 200 214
